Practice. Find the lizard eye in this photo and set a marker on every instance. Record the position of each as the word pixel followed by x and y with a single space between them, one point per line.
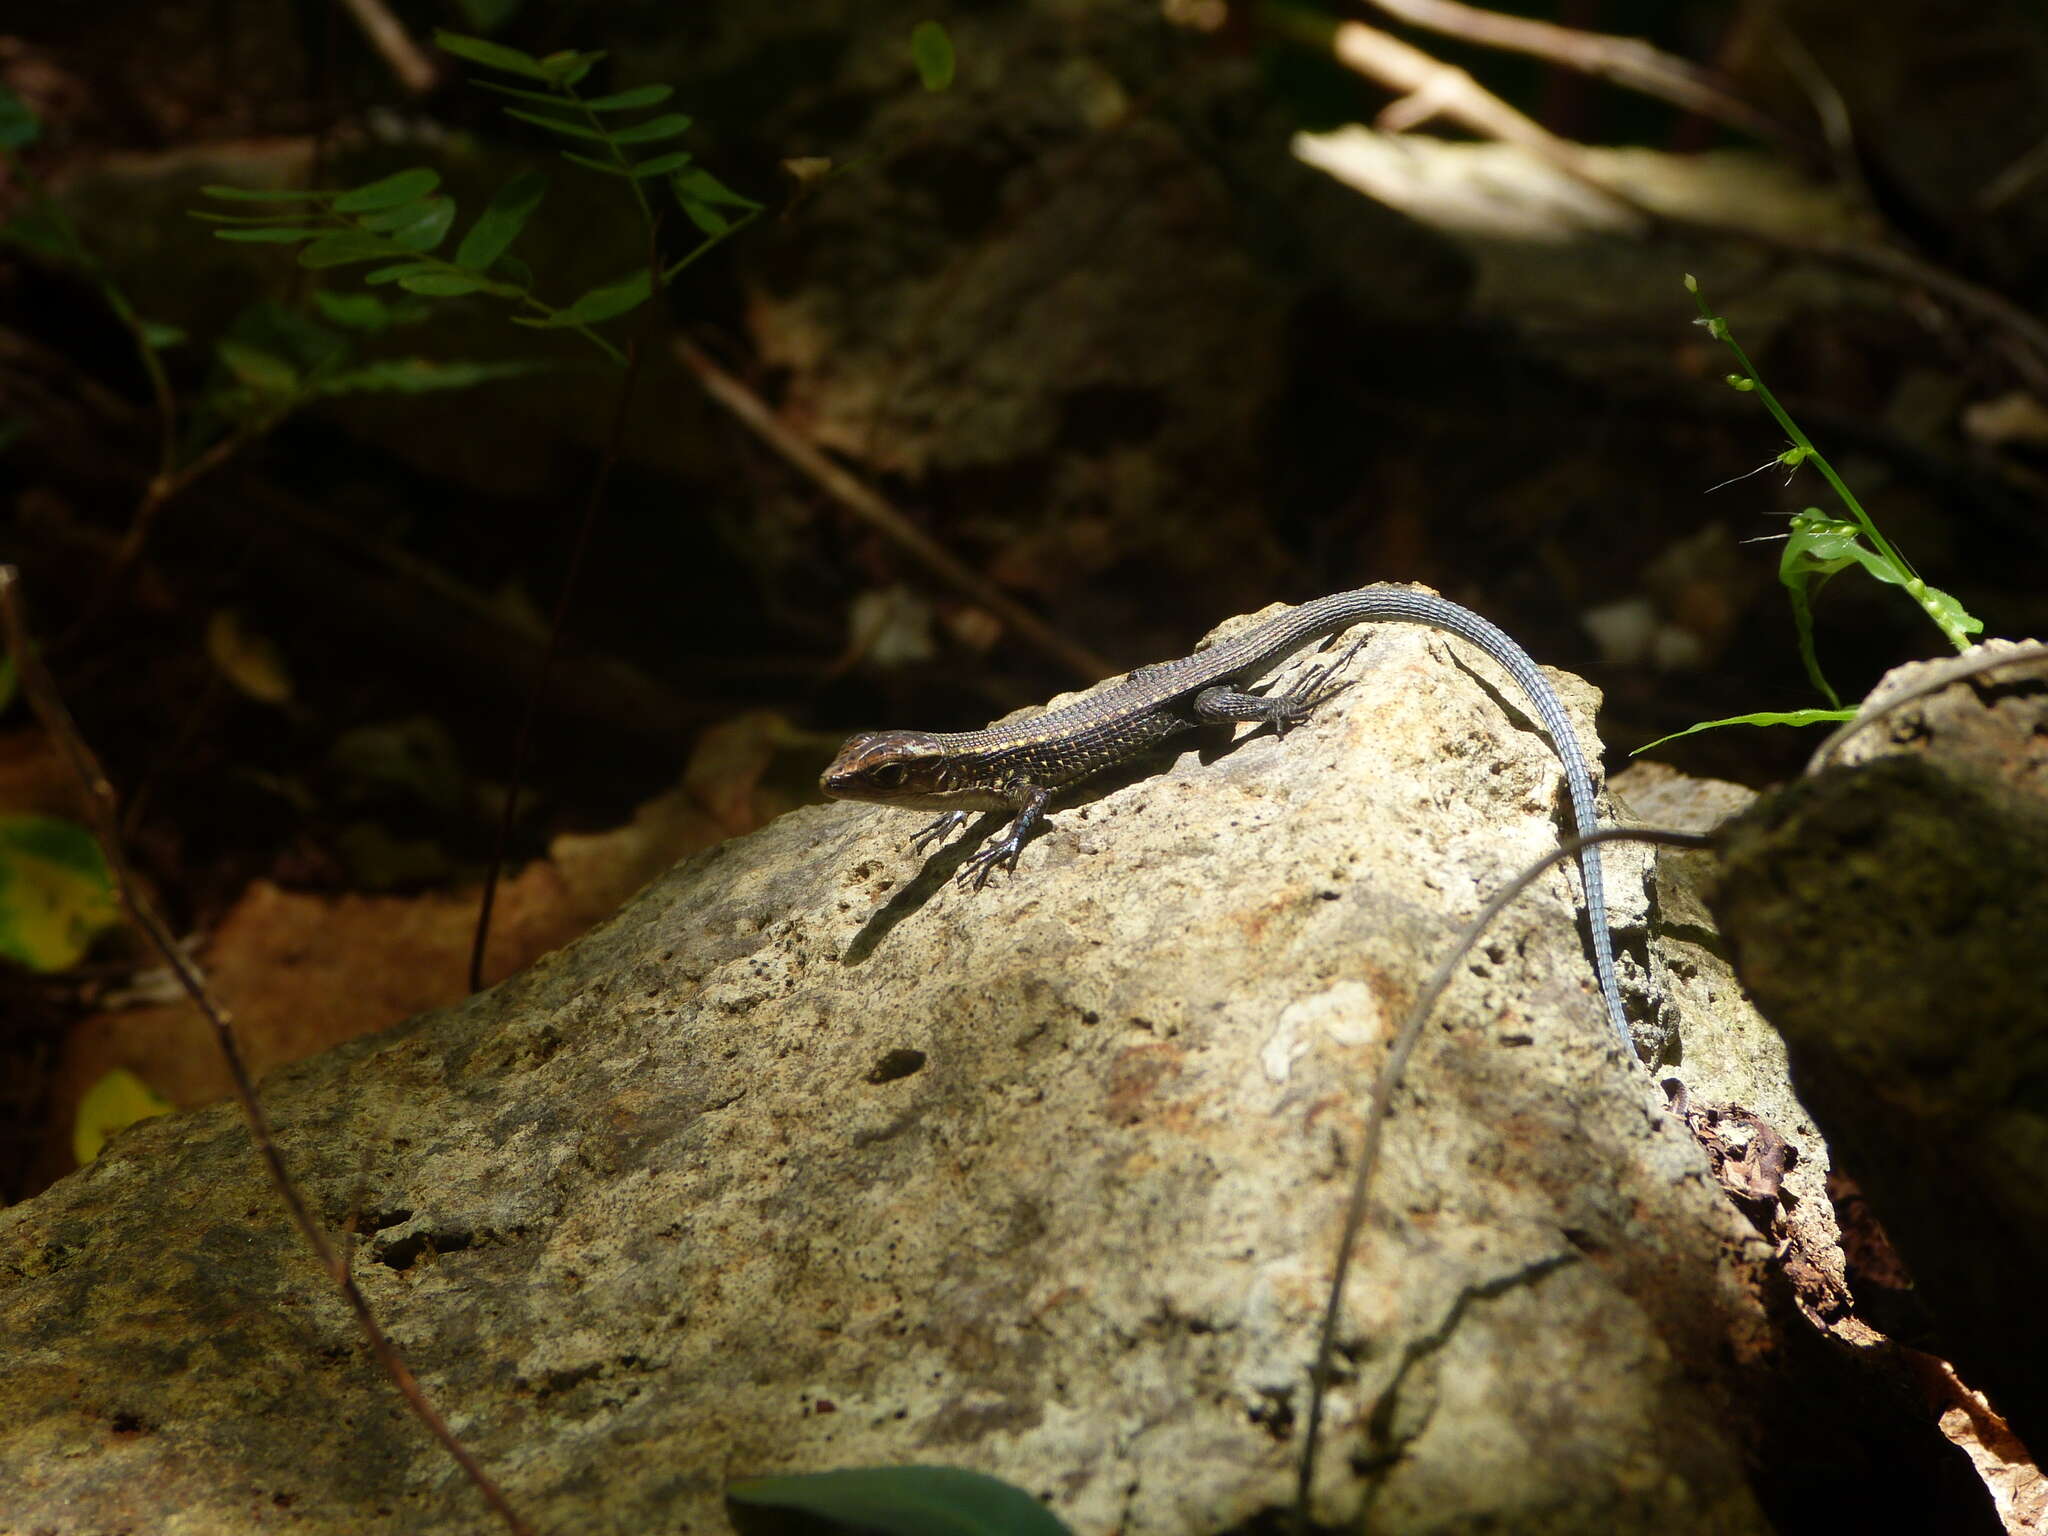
pixel 888 775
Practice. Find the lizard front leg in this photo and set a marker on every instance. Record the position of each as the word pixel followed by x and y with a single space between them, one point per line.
pixel 1030 810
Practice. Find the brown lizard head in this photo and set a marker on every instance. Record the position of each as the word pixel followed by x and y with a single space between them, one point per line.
pixel 911 769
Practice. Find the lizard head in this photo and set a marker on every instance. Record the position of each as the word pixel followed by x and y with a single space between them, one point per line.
pixel 911 769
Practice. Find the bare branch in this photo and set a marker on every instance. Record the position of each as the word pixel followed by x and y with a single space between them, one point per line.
pixel 1451 93
pixel 40 690
pixel 755 414
pixel 1626 61
pixel 386 34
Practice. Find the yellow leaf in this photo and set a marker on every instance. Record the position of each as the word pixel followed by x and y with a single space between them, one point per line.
pixel 112 1104
pixel 252 663
pixel 56 896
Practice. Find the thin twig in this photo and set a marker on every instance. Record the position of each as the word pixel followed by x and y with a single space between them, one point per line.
pixel 1626 61
pixel 565 594
pixel 103 807
pixel 386 34
pixel 164 485
pixel 754 413
pixel 1437 89
pixel 1388 1082
pixel 1450 92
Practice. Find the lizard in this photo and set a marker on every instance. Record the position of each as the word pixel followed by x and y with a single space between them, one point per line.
pixel 1018 765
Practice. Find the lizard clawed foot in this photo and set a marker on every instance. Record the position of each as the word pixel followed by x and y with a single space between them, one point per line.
pixel 983 864
pixel 1318 688
pixel 938 831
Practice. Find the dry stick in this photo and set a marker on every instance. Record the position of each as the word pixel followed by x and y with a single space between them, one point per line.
pixel 1451 92
pixel 1381 1106
pixel 754 413
pixel 386 34
pixel 41 692
pixel 1626 61
pixel 165 484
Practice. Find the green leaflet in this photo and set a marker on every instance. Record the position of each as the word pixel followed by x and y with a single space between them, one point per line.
pixel 892 1501
pixel 499 224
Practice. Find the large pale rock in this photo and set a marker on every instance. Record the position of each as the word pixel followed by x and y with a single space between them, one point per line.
pixel 809 1159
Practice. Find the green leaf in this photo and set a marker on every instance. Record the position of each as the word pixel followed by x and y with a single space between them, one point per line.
pixel 404 187
pixel 19 126
pixel 357 311
pixel 707 218
pixel 591 165
pixel 931 50
pixel 263 371
pixel 666 126
pixel 161 336
pixel 568 67
pixel 627 101
pixel 1955 620
pixel 268 195
pixel 556 124
pixel 1761 717
pixel 281 217
pixel 661 165
pixel 542 98
pixel 604 302
pixel 699 194
pixel 39 230
pixel 892 1501
pixel 707 188
pixel 384 220
pixel 56 895
pixel 441 285
pixel 291 334
pixel 513 271
pixel 403 269
pixel 118 1100
pixel 499 225
pixel 269 235
pixel 345 247
pixel 491 55
pixel 418 376
pixel 425 226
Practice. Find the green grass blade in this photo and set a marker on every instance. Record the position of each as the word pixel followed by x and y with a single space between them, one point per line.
pixel 1762 717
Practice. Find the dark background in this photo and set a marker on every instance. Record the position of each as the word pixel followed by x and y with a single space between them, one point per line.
pixel 1084 318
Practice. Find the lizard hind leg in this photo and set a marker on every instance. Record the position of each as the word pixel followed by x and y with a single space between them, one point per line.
pixel 1219 704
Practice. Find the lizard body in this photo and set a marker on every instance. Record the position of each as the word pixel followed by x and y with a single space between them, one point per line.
pixel 1017 765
